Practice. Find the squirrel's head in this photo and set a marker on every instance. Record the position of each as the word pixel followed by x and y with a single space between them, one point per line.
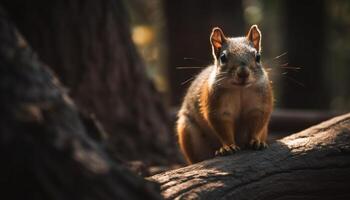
pixel 237 60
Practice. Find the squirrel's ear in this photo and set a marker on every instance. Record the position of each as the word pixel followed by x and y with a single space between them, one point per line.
pixel 217 39
pixel 254 36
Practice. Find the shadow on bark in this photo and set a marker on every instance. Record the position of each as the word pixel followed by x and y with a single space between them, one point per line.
pixel 312 164
pixel 44 142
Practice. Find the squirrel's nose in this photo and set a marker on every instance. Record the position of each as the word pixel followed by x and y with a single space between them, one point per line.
pixel 243 72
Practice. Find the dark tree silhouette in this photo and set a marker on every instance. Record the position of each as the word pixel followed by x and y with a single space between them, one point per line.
pixel 88 44
pixel 189 26
pixel 44 142
pixel 305 43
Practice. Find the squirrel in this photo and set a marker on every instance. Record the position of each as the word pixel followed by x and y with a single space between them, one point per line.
pixel 229 104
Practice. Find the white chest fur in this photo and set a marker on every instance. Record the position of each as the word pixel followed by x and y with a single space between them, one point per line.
pixel 233 104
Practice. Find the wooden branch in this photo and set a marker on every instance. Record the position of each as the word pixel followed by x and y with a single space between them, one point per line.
pixel 312 164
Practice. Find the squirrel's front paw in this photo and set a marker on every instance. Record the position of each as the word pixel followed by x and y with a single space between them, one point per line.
pixel 257 144
pixel 227 150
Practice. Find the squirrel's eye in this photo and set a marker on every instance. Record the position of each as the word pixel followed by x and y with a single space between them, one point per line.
pixel 223 58
pixel 257 58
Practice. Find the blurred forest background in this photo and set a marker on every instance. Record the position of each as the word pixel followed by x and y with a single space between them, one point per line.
pixel 306 45
pixel 128 63
pixel 305 49
pixel 90 89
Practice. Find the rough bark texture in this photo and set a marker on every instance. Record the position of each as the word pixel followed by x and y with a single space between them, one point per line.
pixel 312 164
pixel 44 145
pixel 88 44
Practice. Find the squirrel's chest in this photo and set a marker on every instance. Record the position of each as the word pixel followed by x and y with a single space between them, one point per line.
pixel 231 106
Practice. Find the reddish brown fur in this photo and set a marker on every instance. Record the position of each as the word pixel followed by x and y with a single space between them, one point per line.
pixel 221 115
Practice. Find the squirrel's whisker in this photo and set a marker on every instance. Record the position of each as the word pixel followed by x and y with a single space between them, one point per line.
pixel 188 80
pixel 281 55
pixel 196 59
pixel 284 65
pixel 294 80
pixel 294 68
pixel 275 59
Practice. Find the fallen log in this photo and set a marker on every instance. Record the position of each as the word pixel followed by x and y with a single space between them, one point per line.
pixel 312 164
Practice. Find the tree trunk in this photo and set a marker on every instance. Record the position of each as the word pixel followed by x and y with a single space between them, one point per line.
pixel 305 43
pixel 312 164
pixel 44 145
pixel 88 45
pixel 189 25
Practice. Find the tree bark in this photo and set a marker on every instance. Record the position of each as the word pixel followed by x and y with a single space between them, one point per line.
pixel 312 164
pixel 44 144
pixel 88 44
